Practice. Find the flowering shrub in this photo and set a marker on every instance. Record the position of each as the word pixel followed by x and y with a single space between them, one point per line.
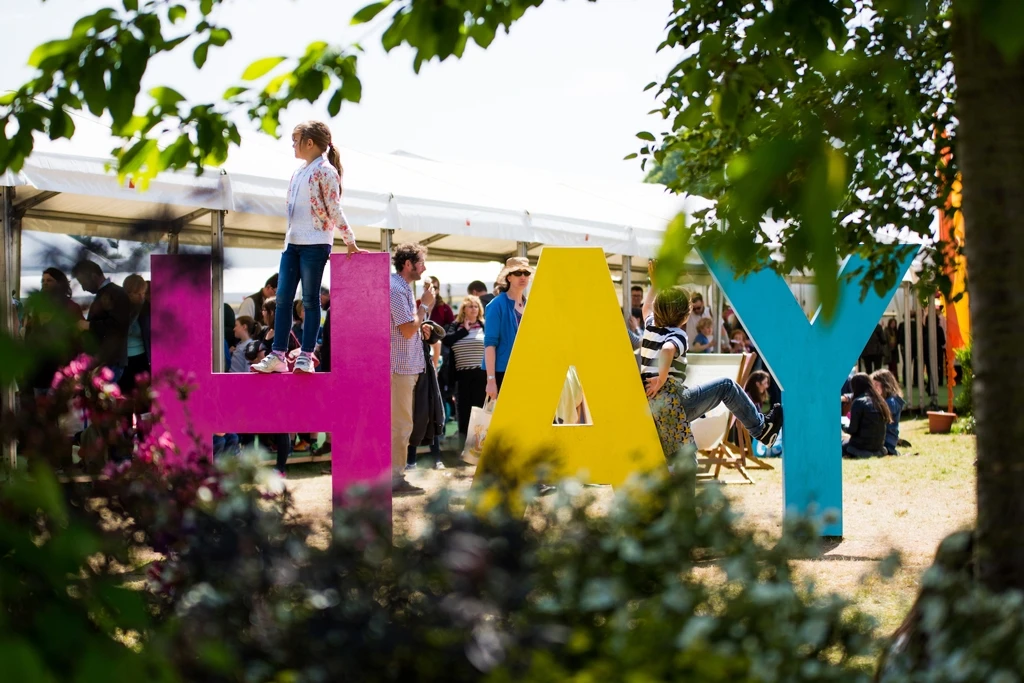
pixel 664 585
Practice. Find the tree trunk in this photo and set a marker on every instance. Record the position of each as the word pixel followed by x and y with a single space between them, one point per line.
pixel 990 151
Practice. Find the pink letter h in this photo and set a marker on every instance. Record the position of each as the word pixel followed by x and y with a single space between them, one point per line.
pixel 352 402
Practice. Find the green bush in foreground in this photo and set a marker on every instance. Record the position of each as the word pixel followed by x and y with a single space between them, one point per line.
pixel 662 585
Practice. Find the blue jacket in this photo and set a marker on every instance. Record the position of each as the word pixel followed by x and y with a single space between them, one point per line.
pixel 500 330
pixel 892 430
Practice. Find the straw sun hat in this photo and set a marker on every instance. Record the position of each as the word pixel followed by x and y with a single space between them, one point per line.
pixel 513 264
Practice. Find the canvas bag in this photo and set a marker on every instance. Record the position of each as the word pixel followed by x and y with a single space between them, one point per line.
pixel 479 422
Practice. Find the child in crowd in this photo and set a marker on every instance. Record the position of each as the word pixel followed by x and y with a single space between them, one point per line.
pixel 245 329
pixel 889 388
pixel 314 213
pixel 702 344
pixel 663 369
pixel 757 388
pixel 740 342
pixel 869 416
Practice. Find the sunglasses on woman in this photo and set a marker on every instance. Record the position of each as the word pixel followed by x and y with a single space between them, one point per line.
pixel 520 273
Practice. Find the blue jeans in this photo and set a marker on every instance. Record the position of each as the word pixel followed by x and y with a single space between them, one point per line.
pixel 700 399
pixel 303 262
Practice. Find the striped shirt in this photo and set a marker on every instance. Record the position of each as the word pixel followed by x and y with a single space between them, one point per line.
pixel 406 354
pixel 469 351
pixel 655 339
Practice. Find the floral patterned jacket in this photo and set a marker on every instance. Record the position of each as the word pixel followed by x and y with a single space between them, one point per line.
pixel 318 186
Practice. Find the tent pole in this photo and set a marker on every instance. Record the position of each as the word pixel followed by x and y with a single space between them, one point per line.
pixel 217 252
pixel 522 248
pixel 719 298
pixel 907 351
pixel 919 328
pixel 933 361
pixel 386 238
pixel 627 285
pixel 172 243
pixel 16 257
pixel 7 311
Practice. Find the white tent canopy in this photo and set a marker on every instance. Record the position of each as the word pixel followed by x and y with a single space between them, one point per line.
pixel 463 211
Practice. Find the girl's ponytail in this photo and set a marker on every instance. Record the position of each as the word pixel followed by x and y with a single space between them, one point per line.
pixel 334 158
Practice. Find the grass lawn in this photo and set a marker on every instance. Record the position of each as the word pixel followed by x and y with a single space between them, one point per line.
pixel 907 503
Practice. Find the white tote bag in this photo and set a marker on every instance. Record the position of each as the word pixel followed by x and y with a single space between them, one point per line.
pixel 479 421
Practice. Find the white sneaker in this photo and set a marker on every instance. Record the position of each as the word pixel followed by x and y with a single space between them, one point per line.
pixel 270 364
pixel 304 364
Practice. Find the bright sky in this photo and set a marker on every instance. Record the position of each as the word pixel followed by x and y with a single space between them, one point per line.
pixel 563 92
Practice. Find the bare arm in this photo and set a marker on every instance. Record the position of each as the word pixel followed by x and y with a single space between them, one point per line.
pixel 698 348
pixel 648 308
pixel 412 328
pixel 665 358
pixel 490 358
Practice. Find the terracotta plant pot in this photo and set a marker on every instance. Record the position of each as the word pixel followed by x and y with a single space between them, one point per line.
pixel 940 422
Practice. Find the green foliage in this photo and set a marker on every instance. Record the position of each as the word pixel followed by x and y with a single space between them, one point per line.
pixel 665 585
pixel 958 630
pixel 64 608
pixel 965 401
pixel 100 66
pixel 965 425
pixel 820 115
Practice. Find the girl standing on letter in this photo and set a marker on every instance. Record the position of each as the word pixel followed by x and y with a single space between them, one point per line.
pixel 314 212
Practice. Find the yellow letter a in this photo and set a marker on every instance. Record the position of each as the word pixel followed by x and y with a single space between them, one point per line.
pixel 572 318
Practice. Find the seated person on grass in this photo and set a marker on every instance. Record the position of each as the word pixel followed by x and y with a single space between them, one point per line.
pixel 869 416
pixel 889 388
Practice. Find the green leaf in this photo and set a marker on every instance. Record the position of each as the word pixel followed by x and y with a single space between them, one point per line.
pixel 334 106
pixel 676 246
pixel 629 156
pixel 199 56
pixel 205 6
pixel 725 107
pixel 352 89
pixel 176 13
pixel 644 135
pixel 166 97
pixel 219 36
pixel 234 92
pixel 260 68
pixel 369 12
pixel 131 5
pixel 50 49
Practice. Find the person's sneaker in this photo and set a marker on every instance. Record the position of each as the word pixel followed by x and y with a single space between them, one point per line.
pixel 772 426
pixel 301 447
pixel 270 364
pixel 403 486
pixel 304 364
pixel 323 449
pixel 439 465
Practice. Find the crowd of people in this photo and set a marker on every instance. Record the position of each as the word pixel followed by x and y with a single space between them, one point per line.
pixel 443 362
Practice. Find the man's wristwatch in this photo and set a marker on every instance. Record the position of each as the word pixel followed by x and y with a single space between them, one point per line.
pixel 490 376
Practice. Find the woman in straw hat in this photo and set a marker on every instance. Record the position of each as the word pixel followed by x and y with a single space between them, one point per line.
pixel 503 316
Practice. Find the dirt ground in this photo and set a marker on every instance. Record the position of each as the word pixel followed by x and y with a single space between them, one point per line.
pixel 908 503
